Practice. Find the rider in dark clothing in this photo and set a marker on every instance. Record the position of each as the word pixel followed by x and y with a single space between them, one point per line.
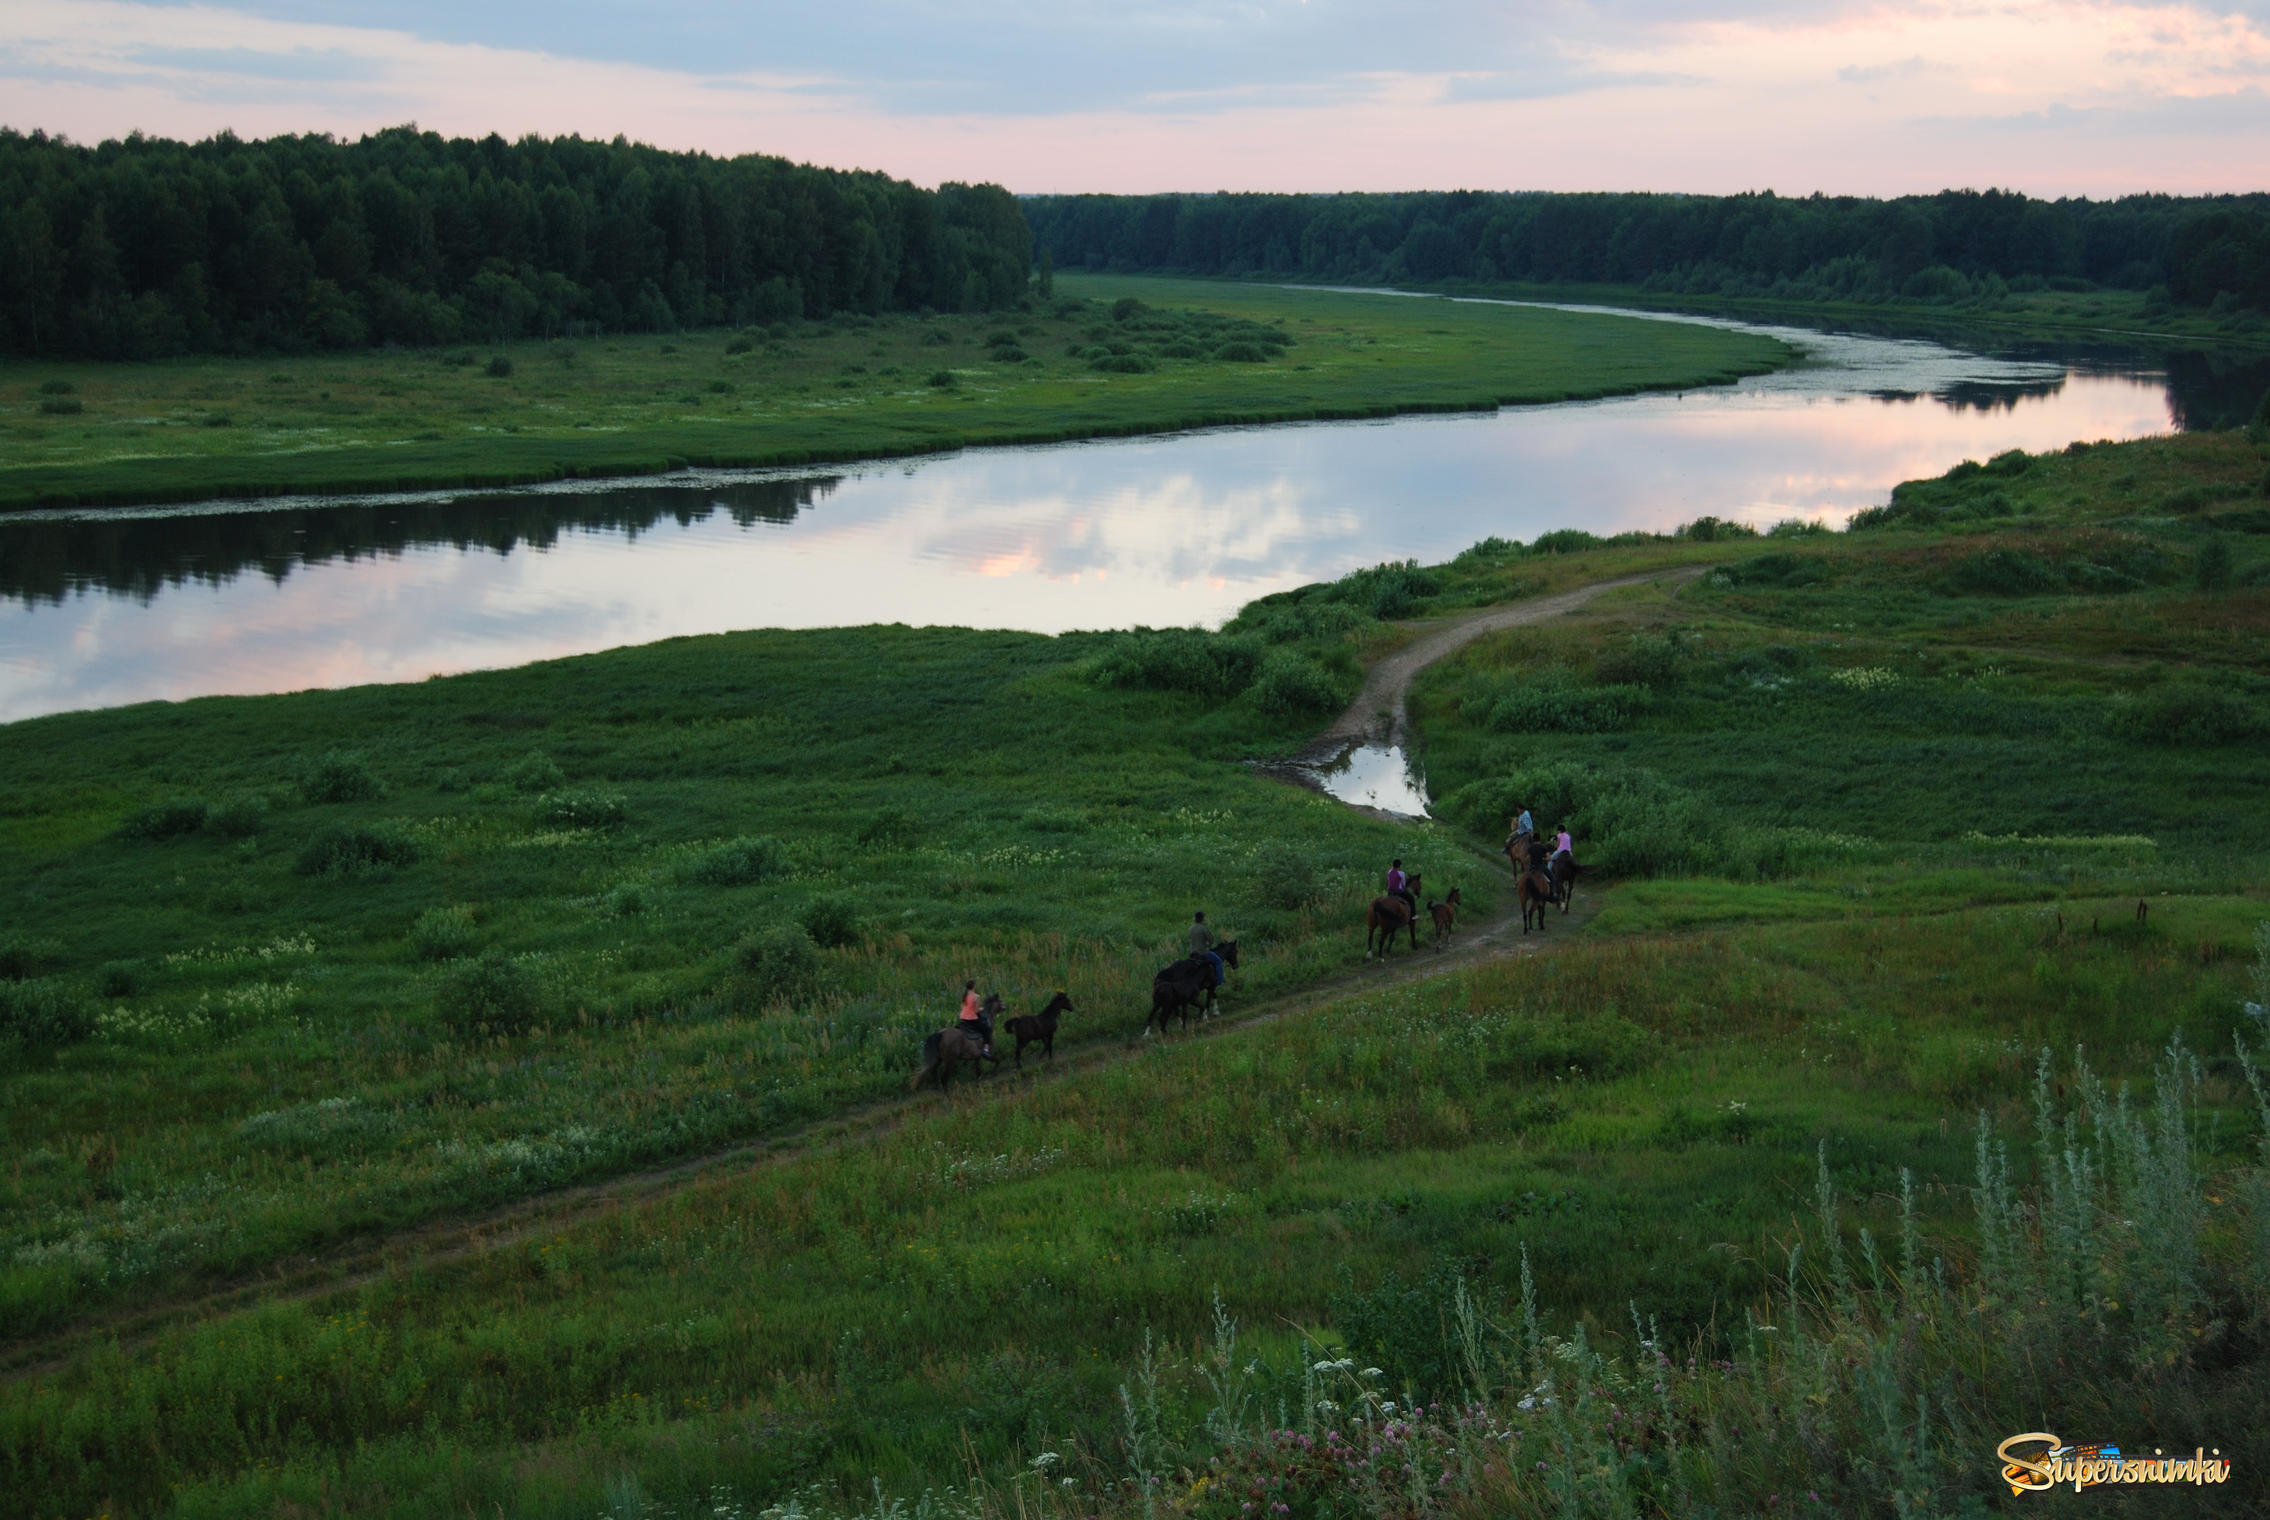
pixel 1202 947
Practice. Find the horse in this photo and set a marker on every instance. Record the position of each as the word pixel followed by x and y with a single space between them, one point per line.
pixel 945 1051
pixel 1039 1028
pixel 1389 916
pixel 1188 981
pixel 1562 873
pixel 1444 913
pixel 1536 890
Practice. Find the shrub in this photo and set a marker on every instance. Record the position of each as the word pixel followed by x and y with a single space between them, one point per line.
pixel 1553 702
pixel 534 772
pixel 238 816
pixel 1778 570
pixel 891 829
pixel 1007 353
pixel 1181 659
pixel 1710 530
pixel 56 387
pixel 1290 683
pixel 356 852
pixel 738 346
pixel 500 367
pixel 738 862
pixel 164 820
pixel 1126 307
pixel 579 810
pixel 1389 590
pixel 1243 353
pixel 2010 462
pixel 941 378
pixel 22 959
pixel 1652 660
pixel 1285 876
pixel 62 406
pixel 119 979
pixel 625 899
pixel 1123 364
pixel 340 775
pixel 443 934
pixel 2213 569
pixel 830 922
pixel 44 1013
pixel 776 965
pixel 2189 716
pixel 1565 541
pixel 2006 572
pixel 935 338
pixel 491 995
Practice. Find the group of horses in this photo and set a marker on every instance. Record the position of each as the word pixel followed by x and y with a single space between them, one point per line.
pixel 1189 983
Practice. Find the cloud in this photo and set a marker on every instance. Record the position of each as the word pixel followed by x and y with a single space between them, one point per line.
pixel 1883 73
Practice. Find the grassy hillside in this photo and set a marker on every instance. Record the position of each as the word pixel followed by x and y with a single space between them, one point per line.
pixel 1104 356
pixel 1868 1123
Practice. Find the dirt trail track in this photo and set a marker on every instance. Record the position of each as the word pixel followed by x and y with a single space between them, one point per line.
pixel 440 1242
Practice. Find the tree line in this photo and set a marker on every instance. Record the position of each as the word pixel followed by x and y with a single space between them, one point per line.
pixel 1950 246
pixel 147 247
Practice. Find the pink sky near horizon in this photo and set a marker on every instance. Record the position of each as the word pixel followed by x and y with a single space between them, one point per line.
pixel 2054 97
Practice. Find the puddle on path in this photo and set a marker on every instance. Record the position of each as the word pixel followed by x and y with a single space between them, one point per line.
pixel 1372 775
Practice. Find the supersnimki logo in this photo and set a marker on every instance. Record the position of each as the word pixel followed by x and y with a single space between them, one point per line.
pixel 2037 1460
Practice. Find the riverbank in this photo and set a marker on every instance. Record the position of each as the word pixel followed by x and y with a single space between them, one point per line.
pixel 1871 816
pixel 1081 364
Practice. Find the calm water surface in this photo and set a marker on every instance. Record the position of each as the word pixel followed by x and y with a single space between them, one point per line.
pixel 98 609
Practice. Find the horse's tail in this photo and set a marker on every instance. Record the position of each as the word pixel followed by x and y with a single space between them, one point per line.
pixel 929 1063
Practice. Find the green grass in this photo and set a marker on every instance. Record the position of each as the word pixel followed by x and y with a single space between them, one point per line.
pixel 1872 814
pixel 853 388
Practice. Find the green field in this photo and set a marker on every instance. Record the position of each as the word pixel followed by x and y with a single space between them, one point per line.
pixel 1910 843
pixel 1080 364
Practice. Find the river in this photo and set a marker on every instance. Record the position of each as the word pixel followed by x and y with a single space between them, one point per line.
pixel 99 608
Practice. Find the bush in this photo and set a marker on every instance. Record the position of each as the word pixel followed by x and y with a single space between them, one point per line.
pixel 1126 307
pixel 119 979
pixel 933 337
pixel 776 965
pixel 1244 353
pixel 44 1013
pixel 1285 876
pixel 2213 570
pixel 891 829
pixel 65 388
pixel 1711 530
pixel 491 995
pixel 2006 572
pixel 500 367
pixel 1182 659
pixel 340 775
pixel 443 934
pixel 21 958
pixel 579 810
pixel 1652 660
pixel 1123 364
pixel 830 922
pixel 62 406
pixel 1778 570
pixel 738 862
pixel 164 820
pixel 2188 716
pixel 1007 353
pixel 1290 684
pixel 356 852
pixel 625 899
pixel 941 378
pixel 1565 541
pixel 1390 590
pixel 239 816
pixel 534 772
pixel 1553 702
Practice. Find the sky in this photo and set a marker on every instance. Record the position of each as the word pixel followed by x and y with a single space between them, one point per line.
pixel 2052 97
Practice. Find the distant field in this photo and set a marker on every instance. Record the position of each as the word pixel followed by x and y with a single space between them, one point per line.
pixel 852 387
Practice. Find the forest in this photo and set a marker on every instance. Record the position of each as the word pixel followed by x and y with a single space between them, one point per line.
pixel 2209 252
pixel 144 248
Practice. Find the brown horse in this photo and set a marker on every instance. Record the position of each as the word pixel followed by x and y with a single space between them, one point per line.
pixel 1389 916
pixel 1536 892
pixel 1039 1028
pixel 1562 874
pixel 1444 913
pixel 945 1051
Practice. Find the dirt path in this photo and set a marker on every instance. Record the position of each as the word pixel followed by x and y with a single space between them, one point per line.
pixel 440 1242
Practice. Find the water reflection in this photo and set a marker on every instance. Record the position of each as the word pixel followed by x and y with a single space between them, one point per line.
pixel 103 608
pixel 1371 775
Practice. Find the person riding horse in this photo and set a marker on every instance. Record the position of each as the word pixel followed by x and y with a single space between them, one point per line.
pixel 972 1018
pixel 1561 869
pixel 1398 885
pixel 1202 947
pixel 1521 835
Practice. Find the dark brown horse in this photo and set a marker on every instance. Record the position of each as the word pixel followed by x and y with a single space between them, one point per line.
pixel 1389 916
pixel 1536 892
pixel 1444 913
pixel 1187 984
pixel 1039 1028
pixel 945 1051
pixel 1562 874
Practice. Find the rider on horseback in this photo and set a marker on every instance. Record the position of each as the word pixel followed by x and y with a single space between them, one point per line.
pixel 1563 856
pixel 972 1023
pixel 1397 887
pixel 1202 946
pixel 1521 833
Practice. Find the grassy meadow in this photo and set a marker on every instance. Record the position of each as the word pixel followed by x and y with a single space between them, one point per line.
pixel 1103 355
pixel 1867 1124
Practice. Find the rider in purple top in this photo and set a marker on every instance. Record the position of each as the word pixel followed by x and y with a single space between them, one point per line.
pixel 1397 885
